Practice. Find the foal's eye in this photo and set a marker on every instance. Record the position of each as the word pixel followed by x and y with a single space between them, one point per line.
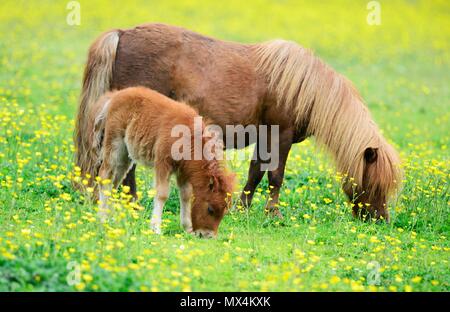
pixel 210 211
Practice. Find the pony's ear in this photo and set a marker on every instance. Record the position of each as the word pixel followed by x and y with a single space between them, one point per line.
pixel 370 155
pixel 211 183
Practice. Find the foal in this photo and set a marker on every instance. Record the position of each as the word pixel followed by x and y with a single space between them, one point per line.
pixel 135 125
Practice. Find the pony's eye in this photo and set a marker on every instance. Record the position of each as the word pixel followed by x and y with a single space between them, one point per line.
pixel 210 210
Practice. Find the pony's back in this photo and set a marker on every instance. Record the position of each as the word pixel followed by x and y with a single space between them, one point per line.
pixel 145 102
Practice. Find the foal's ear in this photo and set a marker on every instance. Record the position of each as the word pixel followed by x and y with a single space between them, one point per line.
pixel 370 155
pixel 211 183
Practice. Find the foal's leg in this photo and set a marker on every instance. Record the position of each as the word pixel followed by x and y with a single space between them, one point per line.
pixel 130 181
pixel 185 204
pixel 255 175
pixel 162 179
pixel 114 167
pixel 105 172
pixel 276 176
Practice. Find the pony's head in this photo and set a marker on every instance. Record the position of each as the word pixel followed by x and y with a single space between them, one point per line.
pixel 212 198
pixel 374 181
pixel 332 110
pixel 212 186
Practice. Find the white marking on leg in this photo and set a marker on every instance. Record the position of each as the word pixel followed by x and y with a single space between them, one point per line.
pixel 157 215
pixel 162 193
pixel 115 167
pixel 185 206
pixel 104 210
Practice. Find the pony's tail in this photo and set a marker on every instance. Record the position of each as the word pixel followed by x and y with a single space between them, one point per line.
pixel 101 110
pixel 96 81
pixel 95 132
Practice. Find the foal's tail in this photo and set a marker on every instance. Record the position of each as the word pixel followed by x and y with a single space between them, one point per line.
pixel 95 131
pixel 96 81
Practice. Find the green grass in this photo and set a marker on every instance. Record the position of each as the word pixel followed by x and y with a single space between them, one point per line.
pixel 47 229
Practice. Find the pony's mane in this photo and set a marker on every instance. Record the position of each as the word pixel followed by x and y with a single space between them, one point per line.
pixel 331 108
pixel 199 171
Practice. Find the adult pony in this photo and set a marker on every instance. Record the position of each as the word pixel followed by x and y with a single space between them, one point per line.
pixel 135 125
pixel 272 83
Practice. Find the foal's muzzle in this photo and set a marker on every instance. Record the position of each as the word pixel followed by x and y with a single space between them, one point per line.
pixel 205 233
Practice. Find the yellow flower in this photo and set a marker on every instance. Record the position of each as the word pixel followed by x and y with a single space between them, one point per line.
pixel 335 279
pixel 106 181
pixel 416 279
pixel 392 288
pixel 374 239
pixel 80 286
pixel 25 232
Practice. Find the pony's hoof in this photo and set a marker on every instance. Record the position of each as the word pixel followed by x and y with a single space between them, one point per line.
pixel 276 213
pixel 245 201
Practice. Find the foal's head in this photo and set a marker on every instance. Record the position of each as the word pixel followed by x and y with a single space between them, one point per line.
pixel 378 179
pixel 212 197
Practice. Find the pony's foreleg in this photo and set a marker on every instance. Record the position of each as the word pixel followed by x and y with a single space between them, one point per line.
pixel 276 176
pixel 185 204
pixel 255 175
pixel 162 179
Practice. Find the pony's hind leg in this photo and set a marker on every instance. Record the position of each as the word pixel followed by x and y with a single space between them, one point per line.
pixel 255 174
pixel 104 190
pixel 276 176
pixel 115 166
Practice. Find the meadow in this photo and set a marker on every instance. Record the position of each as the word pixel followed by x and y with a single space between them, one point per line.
pixel 51 240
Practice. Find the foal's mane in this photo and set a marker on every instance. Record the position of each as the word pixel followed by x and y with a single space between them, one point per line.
pixel 330 106
pixel 200 171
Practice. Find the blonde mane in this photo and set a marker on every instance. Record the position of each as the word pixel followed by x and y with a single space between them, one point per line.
pixel 330 106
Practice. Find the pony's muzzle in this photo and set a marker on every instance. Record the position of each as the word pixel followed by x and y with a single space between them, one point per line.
pixel 205 234
pixel 379 216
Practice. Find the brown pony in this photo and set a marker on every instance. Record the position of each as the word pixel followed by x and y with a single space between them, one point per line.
pixel 135 125
pixel 273 83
